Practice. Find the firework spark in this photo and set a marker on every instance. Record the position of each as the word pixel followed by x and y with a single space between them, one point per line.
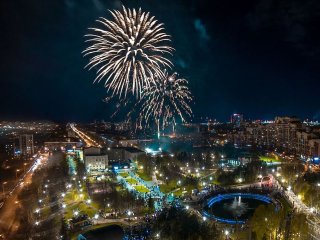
pixel 167 98
pixel 128 51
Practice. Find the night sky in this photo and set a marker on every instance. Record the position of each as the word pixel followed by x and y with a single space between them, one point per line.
pixel 258 57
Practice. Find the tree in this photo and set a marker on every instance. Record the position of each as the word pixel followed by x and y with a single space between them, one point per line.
pixel 266 221
pixel 176 223
pixel 299 227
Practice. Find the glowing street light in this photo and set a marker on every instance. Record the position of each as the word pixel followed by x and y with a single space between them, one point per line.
pixel 4 183
pixel 187 207
pixel 96 216
pixel 18 170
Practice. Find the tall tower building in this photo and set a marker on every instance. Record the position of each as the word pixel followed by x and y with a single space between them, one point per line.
pixel 26 144
pixel 237 119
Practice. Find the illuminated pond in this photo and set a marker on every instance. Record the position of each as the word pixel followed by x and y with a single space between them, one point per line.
pixel 234 208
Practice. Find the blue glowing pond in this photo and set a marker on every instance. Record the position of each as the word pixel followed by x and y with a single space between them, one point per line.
pixel 234 208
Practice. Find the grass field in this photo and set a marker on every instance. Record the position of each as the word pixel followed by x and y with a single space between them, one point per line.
pixel 131 181
pixel 168 187
pixel 124 174
pixel 141 189
pixel 269 159
pixel 144 176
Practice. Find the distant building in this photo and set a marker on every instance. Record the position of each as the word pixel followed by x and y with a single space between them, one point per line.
pixel 63 144
pixel 314 148
pixel 236 119
pixel 26 144
pixel 287 134
pixel 95 160
pixel 9 149
pixel 123 154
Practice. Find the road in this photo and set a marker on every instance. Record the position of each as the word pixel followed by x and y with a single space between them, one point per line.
pixel 9 222
pixel 87 139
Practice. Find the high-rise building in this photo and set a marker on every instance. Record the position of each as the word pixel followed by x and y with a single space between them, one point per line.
pixel 26 144
pixel 236 119
pixel 9 149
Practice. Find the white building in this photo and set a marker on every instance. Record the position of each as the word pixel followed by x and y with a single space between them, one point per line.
pixel 95 160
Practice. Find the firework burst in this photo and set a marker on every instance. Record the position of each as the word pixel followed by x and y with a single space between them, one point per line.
pixel 165 100
pixel 128 51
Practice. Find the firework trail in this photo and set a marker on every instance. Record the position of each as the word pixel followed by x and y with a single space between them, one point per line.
pixel 128 51
pixel 167 98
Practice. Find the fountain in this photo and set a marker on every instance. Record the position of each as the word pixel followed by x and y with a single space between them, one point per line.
pixel 234 208
pixel 237 207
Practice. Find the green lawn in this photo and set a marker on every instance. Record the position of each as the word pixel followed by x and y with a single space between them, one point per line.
pixel 168 187
pixel 131 181
pixel 144 176
pixel 124 174
pixel 269 159
pixel 141 189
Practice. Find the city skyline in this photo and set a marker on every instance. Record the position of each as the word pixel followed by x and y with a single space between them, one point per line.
pixel 264 68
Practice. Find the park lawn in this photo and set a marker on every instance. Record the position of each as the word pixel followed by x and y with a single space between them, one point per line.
pixel 124 174
pixel 131 181
pixel 83 208
pixel 168 187
pixel 269 159
pixel 141 189
pixel 144 176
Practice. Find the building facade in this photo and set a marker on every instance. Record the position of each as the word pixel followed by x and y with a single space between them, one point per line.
pixel 95 160
pixel 26 146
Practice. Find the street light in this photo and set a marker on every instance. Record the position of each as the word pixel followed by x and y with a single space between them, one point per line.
pixel 4 183
pixel 226 232
pixel 18 170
